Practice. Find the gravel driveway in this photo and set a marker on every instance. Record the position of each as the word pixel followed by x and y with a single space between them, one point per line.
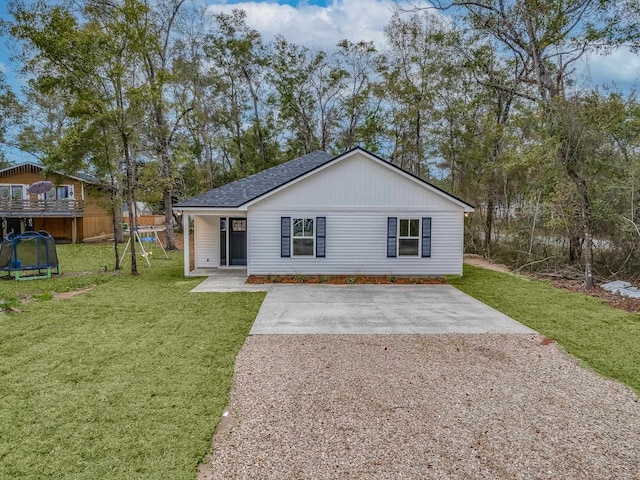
pixel 422 406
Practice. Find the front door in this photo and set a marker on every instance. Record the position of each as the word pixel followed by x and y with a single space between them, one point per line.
pixel 237 241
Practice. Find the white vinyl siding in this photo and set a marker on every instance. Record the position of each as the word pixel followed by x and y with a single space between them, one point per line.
pixel 356 243
pixel 357 183
pixel 356 196
pixel 206 241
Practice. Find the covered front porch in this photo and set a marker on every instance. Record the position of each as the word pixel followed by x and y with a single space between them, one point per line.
pixel 219 242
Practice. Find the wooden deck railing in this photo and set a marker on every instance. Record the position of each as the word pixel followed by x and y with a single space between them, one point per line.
pixel 27 208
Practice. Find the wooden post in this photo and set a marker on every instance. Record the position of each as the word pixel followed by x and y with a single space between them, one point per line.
pixel 74 230
pixel 187 253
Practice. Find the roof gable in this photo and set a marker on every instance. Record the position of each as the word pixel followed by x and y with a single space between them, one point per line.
pixel 31 167
pixel 255 188
pixel 357 181
pixel 395 169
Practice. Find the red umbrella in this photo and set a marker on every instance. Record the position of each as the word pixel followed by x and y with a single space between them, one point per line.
pixel 42 186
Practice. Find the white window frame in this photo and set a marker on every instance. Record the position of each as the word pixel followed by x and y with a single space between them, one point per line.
pixel 293 250
pixel 409 237
pixel 11 186
pixel 54 189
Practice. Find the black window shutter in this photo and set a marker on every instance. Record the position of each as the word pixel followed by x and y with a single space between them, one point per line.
pixel 392 229
pixel 285 236
pixel 426 236
pixel 320 236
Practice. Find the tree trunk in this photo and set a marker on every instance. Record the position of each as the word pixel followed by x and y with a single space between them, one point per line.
pixel 130 201
pixel 118 233
pixel 116 217
pixel 588 256
pixel 488 227
pixel 162 149
pixel 256 116
pixel 416 169
pixel 575 249
pixel 209 166
pixel 588 238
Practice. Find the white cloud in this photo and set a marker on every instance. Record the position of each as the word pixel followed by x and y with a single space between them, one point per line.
pixel 324 26
pixel 314 25
pixel 620 66
pixel 3 67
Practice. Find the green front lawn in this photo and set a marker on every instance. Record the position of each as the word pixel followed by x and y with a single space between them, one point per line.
pixel 130 379
pixel 605 338
pixel 126 381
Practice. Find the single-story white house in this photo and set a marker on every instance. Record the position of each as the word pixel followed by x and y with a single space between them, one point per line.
pixel 321 214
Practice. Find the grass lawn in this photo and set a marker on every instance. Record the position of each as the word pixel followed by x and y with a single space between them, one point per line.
pixel 604 338
pixel 125 381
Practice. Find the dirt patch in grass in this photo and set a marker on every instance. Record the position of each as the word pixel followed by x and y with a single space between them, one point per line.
pixel 480 261
pixel 346 279
pixel 72 293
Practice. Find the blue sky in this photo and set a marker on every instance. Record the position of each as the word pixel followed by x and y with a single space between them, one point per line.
pixel 5 65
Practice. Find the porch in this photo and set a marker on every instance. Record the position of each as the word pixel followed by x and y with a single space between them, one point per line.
pixel 219 243
pixel 20 208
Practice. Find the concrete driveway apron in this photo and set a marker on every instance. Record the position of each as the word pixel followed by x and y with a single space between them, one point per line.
pixel 377 309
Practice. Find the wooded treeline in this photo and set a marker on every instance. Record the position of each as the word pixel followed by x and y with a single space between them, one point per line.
pixel 163 100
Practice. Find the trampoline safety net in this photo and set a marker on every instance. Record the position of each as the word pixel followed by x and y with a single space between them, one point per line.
pixel 28 251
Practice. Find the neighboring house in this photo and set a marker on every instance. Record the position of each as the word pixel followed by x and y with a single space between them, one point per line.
pixel 319 214
pixel 72 211
pixel 144 216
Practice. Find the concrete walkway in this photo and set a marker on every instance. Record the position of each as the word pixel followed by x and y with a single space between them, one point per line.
pixel 231 280
pixel 377 309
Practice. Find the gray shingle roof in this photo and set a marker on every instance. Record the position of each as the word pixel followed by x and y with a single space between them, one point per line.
pixel 246 189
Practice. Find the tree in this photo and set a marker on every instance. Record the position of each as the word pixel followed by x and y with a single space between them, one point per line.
pixel 152 25
pixel 548 38
pixel 10 113
pixel 239 64
pixel 360 118
pixel 307 93
pixel 85 84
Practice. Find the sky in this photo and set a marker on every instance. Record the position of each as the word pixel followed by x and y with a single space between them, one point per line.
pixel 322 23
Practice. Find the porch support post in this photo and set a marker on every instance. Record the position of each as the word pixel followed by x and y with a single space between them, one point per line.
pixel 74 230
pixel 187 253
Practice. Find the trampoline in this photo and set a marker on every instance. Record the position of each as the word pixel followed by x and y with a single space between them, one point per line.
pixel 29 255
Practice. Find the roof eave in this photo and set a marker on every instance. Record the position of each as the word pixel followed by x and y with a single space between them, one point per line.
pixel 180 208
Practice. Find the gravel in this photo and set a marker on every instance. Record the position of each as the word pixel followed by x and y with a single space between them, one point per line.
pixel 422 406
